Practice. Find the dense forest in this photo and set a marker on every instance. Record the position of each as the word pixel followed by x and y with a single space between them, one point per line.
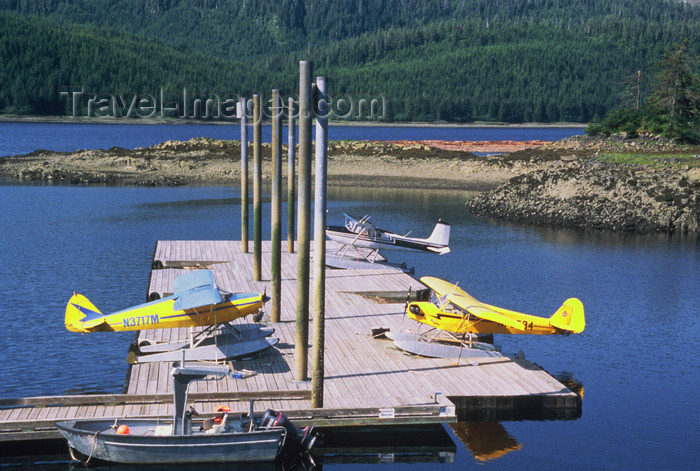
pixel 673 108
pixel 448 60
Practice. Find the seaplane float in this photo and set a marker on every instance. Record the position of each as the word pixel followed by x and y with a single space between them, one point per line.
pixel 196 302
pixel 225 437
pixel 455 319
pixel 364 240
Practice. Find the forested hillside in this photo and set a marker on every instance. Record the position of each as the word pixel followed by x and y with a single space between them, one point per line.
pixel 466 60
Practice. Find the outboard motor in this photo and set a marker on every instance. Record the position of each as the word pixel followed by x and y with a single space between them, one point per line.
pixel 300 441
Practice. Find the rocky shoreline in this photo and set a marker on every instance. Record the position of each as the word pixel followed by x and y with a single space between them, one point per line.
pixel 579 190
pixel 564 184
pixel 204 161
pixel 594 195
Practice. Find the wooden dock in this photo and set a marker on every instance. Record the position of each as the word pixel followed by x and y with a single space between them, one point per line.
pixel 367 380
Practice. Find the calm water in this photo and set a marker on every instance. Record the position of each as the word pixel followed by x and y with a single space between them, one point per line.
pixel 21 138
pixel 637 359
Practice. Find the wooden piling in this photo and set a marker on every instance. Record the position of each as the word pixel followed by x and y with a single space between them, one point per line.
pixel 301 346
pixel 244 175
pixel 257 189
pixel 291 178
pixel 276 209
pixel 320 203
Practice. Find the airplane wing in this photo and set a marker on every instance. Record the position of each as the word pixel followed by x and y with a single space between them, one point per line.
pixel 358 224
pixel 477 309
pixel 442 287
pixel 463 300
pixel 195 289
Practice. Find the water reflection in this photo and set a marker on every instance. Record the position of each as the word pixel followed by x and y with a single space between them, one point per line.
pixel 63 463
pixel 558 236
pixel 190 204
pixel 398 195
pixel 375 445
pixel 486 441
pixel 570 382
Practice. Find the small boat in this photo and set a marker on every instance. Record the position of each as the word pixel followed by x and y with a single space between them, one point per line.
pixel 224 438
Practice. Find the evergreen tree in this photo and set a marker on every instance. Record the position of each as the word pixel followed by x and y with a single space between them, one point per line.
pixel 673 110
pixel 677 94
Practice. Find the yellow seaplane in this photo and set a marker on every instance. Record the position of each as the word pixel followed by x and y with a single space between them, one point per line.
pixel 456 311
pixel 453 312
pixel 196 302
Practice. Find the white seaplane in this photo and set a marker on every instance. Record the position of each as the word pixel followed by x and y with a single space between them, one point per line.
pixel 366 239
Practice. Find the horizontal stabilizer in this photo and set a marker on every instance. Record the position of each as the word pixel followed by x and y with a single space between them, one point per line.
pixel 97 326
pixel 195 289
pixel 439 250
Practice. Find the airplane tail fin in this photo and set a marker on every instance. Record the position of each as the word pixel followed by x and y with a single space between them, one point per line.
pixel 79 312
pixel 440 236
pixel 569 317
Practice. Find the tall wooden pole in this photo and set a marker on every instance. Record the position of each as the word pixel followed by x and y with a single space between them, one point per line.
pixel 257 189
pixel 244 175
pixel 302 322
pixel 276 208
pixel 317 373
pixel 291 178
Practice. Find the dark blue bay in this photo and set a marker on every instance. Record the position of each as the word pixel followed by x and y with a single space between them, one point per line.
pixel 23 137
pixel 637 359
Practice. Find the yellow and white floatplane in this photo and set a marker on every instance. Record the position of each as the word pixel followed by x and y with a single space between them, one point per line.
pixel 449 309
pixel 196 302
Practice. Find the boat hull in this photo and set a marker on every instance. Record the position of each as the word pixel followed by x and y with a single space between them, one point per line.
pixel 98 439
